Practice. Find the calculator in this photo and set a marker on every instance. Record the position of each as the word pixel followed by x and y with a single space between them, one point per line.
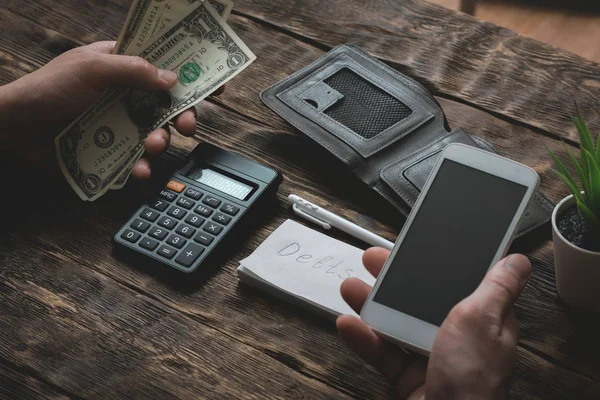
pixel 202 204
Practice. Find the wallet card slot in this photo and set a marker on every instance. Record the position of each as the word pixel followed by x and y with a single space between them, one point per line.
pixel 357 106
pixel 408 176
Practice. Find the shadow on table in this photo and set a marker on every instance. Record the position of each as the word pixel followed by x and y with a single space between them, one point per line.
pixel 561 5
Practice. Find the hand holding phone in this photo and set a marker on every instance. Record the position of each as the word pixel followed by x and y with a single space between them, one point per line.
pixel 474 352
pixel 459 228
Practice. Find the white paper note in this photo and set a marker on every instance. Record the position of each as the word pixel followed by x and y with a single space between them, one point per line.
pixel 303 264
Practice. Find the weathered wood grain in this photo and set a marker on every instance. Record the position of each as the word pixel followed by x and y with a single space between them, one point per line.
pixel 454 54
pixel 15 385
pixel 99 339
pixel 303 348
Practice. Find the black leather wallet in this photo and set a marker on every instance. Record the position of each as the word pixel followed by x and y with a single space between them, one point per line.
pixel 383 125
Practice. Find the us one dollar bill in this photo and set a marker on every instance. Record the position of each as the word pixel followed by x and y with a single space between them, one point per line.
pixel 95 150
pixel 146 19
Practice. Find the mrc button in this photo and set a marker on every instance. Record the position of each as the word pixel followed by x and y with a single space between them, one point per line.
pixel 176 186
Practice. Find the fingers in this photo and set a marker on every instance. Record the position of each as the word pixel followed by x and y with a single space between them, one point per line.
pixel 141 170
pixel 157 142
pixel 374 258
pixel 361 339
pixel 502 285
pixel 104 47
pixel 355 293
pixel 412 378
pixel 185 123
pixel 116 70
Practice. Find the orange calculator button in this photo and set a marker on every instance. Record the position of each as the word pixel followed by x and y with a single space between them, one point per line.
pixel 176 186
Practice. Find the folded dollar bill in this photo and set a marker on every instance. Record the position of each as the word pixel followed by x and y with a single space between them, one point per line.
pixel 98 148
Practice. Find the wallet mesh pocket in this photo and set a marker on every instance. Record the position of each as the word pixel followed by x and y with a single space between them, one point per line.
pixel 365 108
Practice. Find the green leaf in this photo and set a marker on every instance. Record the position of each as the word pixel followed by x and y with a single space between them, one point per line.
pixel 594 194
pixel 587 213
pixel 585 136
pixel 582 173
pixel 571 184
pixel 598 149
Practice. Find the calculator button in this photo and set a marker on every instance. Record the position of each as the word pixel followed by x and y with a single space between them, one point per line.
pixel 185 203
pixel 177 212
pixel 176 241
pixel 229 209
pixel 167 222
pixel 211 201
pixel 185 230
pixel 148 244
pixel 149 215
pixel 195 220
pixel 204 239
pixel 160 205
pixel 167 252
pixel 158 233
pixel 213 229
pixel 176 186
pixel 130 236
pixel 204 211
pixel 194 194
pixel 222 219
pixel 140 226
pixel 167 195
pixel 189 256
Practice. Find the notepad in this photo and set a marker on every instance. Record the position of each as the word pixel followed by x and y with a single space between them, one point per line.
pixel 306 268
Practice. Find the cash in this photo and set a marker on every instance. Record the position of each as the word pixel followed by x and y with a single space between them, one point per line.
pixel 97 151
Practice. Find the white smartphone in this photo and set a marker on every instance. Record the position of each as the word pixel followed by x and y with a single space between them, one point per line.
pixel 461 225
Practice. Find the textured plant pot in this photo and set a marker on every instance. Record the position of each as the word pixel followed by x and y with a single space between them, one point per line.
pixel 577 270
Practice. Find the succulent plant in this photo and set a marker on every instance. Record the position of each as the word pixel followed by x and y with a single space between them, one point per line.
pixel 588 172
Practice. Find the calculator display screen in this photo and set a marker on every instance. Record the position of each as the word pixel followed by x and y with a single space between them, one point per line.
pixel 221 182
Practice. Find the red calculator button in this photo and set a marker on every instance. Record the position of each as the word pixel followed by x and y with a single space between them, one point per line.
pixel 176 186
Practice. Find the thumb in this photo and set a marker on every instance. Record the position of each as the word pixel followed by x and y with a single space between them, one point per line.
pixel 503 284
pixel 131 71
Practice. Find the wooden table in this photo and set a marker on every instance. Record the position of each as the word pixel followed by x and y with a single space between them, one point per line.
pixel 77 322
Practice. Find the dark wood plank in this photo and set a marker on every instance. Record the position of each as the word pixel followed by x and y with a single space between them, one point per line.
pixel 96 338
pixel 16 385
pixel 455 55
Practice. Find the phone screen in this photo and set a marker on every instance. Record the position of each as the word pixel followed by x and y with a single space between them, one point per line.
pixel 451 243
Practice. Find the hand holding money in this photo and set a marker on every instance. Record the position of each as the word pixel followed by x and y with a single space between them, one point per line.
pixel 46 100
pixel 99 148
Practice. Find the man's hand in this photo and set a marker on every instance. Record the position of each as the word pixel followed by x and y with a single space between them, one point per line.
pixel 474 353
pixel 35 108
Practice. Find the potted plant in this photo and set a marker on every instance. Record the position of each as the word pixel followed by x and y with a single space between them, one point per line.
pixel 576 226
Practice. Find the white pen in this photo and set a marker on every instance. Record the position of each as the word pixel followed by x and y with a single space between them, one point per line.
pixel 326 219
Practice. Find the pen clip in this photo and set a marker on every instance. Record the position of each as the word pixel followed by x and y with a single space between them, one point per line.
pixel 309 217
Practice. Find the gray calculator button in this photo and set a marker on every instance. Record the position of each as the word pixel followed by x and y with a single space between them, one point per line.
pixel 185 230
pixel 230 209
pixel 158 233
pixel 149 215
pixel 222 219
pixel 148 244
pixel 177 212
pixel 140 226
pixel 189 255
pixel 130 236
pixel 204 239
pixel 167 252
pixel 167 222
pixel 212 228
pixel 204 211
pixel 160 205
pixel 176 241
pixel 167 195
pixel 211 201
pixel 185 203
pixel 194 220
pixel 194 194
